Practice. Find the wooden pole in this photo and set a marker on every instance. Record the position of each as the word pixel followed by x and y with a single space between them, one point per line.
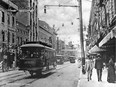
pixel 81 35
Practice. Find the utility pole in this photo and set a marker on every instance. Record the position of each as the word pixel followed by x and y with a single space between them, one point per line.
pixel 81 35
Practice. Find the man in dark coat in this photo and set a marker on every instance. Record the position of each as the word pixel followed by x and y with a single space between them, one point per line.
pixel 99 67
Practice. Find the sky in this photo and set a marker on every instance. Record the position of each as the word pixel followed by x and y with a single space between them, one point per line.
pixel 65 15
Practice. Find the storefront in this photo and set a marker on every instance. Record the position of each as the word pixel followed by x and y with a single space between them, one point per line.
pixel 109 43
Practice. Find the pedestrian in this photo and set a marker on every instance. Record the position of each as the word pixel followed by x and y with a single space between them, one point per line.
pixel 111 71
pixel 99 67
pixel 89 67
pixel 4 64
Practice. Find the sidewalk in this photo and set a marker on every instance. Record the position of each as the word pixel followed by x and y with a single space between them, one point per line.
pixel 94 82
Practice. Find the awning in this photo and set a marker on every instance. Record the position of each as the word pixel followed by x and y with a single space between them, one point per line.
pixel 108 37
pixel 95 50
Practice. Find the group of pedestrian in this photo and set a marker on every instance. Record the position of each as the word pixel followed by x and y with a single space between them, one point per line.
pixel 98 64
pixel 7 59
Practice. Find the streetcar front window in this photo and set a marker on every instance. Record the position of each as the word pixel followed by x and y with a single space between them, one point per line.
pixel 31 52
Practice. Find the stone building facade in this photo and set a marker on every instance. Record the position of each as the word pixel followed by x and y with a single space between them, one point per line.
pixel 45 33
pixel 7 25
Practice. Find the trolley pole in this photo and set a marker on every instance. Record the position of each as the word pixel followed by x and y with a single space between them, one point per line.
pixel 81 36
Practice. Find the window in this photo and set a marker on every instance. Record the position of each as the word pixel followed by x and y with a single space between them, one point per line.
pixel 8 19
pixel 3 17
pixel 13 38
pixel 13 21
pixel 17 40
pixel 8 36
pixel 21 40
pixel 115 6
pixel 3 36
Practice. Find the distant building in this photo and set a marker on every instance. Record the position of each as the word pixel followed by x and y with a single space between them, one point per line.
pixel 22 33
pixel 45 33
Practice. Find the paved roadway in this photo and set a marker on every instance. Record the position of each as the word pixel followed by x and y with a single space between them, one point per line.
pixel 65 75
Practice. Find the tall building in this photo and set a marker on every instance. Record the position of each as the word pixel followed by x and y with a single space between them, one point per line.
pixel 28 15
pixel 7 25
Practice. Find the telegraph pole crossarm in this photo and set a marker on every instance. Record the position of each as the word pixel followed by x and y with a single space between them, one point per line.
pixel 61 5
pixel 58 6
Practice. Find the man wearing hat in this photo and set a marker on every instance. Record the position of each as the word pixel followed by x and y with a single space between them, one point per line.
pixel 89 67
pixel 99 66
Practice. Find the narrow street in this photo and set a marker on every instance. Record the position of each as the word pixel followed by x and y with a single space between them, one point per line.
pixel 65 75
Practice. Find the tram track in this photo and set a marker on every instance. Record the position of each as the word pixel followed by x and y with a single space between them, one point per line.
pixel 18 77
pixel 10 74
pixel 12 78
pixel 11 81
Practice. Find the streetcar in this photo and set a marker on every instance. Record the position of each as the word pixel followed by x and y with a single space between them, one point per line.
pixel 36 58
pixel 60 59
pixel 72 59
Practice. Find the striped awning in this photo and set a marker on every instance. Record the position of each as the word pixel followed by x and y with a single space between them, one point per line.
pixel 108 37
pixel 96 49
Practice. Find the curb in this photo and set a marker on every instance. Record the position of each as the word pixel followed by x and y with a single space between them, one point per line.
pixel 78 85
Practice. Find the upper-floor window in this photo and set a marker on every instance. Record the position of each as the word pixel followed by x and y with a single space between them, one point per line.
pixel 8 19
pixel 8 36
pixel 3 17
pixel 3 36
pixel 13 38
pixel 13 21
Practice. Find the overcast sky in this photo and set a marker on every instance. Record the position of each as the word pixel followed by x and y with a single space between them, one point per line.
pixel 65 15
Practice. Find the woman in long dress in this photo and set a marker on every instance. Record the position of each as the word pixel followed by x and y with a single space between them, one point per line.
pixel 111 71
